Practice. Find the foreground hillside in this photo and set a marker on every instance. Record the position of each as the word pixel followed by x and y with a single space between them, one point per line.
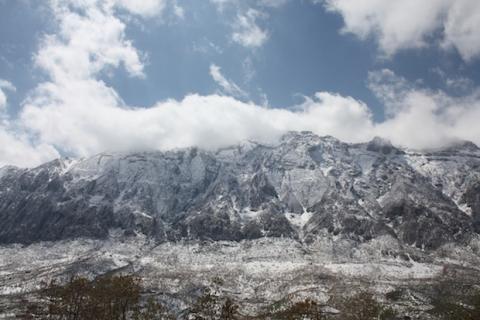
pixel 257 274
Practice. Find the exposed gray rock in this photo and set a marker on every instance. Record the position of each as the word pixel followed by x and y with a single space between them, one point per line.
pixel 300 187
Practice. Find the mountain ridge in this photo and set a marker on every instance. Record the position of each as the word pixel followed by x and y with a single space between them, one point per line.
pixel 302 187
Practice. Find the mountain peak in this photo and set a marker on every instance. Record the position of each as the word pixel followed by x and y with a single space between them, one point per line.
pixel 382 145
pixel 307 136
pixel 463 145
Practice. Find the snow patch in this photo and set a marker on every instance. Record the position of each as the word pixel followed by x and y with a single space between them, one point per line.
pixel 298 220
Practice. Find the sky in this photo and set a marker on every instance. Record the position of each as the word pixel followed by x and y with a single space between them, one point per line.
pixel 80 77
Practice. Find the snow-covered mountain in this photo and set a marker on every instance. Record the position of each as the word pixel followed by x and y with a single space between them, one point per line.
pixel 307 216
pixel 303 187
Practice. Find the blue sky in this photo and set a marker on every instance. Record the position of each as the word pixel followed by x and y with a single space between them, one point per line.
pixel 81 77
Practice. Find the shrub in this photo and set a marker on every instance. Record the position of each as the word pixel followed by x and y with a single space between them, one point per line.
pixel 363 306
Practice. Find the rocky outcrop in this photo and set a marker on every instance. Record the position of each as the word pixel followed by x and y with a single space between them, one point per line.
pixel 302 187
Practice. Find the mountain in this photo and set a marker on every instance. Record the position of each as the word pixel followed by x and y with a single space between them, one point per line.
pixel 305 217
pixel 304 187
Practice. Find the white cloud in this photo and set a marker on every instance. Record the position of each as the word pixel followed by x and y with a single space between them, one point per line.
pixel 461 27
pixel 228 86
pixel 20 151
pixel 206 121
pixel 247 29
pixel 459 84
pixel 222 4
pixel 247 32
pixel 4 85
pixel 17 148
pixel 74 111
pixel 248 69
pixel 410 24
pixel 260 3
pixel 79 114
pixel 90 39
pixel 144 8
pixel 420 118
pixel 205 46
pixel 390 89
pixel 178 10
pixel 453 82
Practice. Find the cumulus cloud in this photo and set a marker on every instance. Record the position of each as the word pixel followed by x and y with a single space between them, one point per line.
pixel 90 39
pixel 421 118
pixel 207 121
pixel 76 112
pixel 228 86
pixel 17 148
pixel 411 24
pixel 20 151
pixel 79 114
pixel 461 27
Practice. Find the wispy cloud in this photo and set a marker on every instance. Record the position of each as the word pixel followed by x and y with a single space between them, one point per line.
pixel 5 86
pixel 247 31
pixel 144 8
pixel 457 83
pixel 229 87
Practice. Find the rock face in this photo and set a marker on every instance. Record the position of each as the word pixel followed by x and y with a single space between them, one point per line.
pixel 302 187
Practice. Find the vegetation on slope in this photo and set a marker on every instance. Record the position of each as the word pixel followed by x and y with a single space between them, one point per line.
pixel 123 297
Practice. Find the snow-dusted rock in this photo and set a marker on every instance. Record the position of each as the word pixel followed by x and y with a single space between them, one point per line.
pixel 302 187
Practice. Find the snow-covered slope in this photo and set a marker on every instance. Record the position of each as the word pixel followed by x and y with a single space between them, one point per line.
pixel 302 187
